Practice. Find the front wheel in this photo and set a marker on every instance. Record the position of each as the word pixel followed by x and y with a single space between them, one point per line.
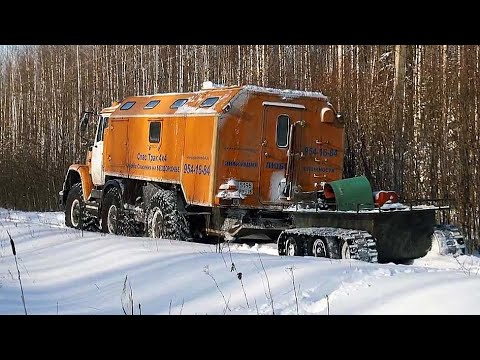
pixel 75 208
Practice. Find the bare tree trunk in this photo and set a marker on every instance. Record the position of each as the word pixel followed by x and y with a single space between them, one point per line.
pixel 399 96
pixel 340 73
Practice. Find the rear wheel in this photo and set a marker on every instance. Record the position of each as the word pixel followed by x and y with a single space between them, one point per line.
pixel 163 219
pixel 112 213
pixel 158 226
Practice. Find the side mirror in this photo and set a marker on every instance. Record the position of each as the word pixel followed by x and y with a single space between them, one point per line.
pixel 84 121
pixel 340 119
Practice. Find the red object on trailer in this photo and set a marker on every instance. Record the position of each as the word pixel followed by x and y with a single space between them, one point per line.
pixel 381 197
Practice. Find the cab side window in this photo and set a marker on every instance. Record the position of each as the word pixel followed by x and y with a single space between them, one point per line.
pixel 100 128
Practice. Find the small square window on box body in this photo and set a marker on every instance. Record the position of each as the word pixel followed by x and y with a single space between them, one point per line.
pixel 127 105
pixel 152 104
pixel 155 130
pixel 209 102
pixel 178 103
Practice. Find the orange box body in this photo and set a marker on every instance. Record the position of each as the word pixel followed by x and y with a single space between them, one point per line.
pixel 246 135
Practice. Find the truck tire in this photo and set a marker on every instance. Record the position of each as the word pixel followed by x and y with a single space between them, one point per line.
pixel 345 250
pixel 163 220
pixel 112 213
pixel 319 248
pixel 75 208
pixel 292 248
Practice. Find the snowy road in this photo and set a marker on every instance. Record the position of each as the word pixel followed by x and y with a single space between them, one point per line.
pixel 66 272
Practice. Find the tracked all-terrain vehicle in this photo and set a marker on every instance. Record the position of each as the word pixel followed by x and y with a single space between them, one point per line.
pixel 241 162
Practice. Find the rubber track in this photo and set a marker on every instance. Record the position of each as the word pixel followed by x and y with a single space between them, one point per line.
pixel 361 244
pixel 452 232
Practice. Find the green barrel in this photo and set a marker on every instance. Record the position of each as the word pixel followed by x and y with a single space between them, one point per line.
pixel 352 194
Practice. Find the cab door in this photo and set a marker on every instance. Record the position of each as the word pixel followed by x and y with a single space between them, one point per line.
pixel 116 145
pixel 98 177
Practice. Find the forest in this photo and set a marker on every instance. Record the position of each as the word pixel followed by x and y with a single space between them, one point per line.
pixel 411 111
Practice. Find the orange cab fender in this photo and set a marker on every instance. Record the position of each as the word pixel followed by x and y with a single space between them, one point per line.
pixel 76 173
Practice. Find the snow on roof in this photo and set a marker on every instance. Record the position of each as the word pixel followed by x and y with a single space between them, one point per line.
pixel 289 93
pixel 286 92
pixel 210 85
pixel 189 93
pixel 186 109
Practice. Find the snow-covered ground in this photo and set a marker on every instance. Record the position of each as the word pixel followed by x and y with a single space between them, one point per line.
pixel 66 272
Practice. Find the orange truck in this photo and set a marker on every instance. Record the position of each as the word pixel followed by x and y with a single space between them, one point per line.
pixel 239 162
